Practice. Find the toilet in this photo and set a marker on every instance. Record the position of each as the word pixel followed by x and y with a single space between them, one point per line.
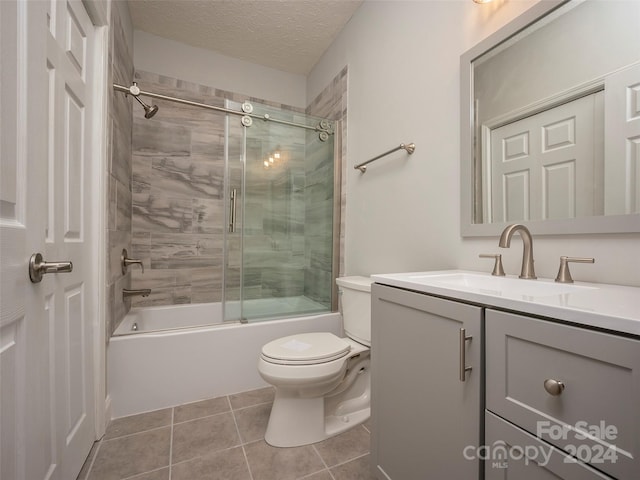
pixel 322 382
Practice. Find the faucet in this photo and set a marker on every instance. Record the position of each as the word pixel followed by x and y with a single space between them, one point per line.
pixel 527 270
pixel 143 292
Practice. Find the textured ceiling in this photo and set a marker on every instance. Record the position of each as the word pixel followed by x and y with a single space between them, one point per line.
pixel 288 35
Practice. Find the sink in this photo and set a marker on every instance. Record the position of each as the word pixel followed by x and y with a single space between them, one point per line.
pixel 497 286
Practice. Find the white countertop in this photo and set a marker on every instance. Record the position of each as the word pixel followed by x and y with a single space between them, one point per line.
pixel 612 307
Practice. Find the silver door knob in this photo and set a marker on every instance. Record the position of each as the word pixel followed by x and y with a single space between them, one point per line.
pixel 553 387
pixel 38 267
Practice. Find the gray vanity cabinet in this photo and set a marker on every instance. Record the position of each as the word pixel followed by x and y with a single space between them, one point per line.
pixel 423 415
pixel 554 381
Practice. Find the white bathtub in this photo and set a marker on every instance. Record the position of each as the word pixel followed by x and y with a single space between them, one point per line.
pixel 152 370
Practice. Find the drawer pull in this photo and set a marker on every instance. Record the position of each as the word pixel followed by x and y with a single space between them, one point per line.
pixel 553 387
pixel 463 338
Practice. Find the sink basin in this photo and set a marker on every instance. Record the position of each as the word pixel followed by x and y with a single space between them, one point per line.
pixel 497 286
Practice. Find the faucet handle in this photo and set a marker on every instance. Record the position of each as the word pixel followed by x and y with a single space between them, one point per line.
pixel 498 271
pixel 564 275
pixel 125 261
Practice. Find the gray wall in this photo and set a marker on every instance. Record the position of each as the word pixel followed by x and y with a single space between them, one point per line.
pixel 404 213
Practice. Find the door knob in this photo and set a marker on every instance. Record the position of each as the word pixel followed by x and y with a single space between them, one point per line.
pixel 38 267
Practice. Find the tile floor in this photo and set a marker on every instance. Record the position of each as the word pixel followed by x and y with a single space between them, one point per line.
pixel 220 438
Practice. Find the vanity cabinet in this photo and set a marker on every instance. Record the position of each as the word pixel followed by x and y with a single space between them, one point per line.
pixel 555 381
pixel 423 414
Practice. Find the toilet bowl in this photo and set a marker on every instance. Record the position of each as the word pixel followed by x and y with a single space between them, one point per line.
pixel 322 382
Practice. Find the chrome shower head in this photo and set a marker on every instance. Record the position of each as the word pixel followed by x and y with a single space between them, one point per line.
pixel 149 110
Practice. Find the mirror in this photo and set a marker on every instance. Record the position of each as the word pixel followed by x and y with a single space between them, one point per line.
pixel 550 112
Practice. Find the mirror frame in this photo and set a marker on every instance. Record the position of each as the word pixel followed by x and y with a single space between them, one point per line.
pixel 582 225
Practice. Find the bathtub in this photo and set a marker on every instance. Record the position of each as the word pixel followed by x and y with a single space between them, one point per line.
pixel 150 370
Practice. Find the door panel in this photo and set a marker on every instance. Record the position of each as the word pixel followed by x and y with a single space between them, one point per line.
pixel 46 329
pixel 538 162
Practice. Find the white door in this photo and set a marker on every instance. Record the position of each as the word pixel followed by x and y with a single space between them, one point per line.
pixel 622 141
pixel 47 403
pixel 542 167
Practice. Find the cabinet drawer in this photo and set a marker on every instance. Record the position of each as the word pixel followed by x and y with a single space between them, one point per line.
pixel 601 377
pixel 513 454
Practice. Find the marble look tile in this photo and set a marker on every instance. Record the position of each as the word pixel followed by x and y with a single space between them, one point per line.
pixel 138 423
pixel 159 213
pixel 187 177
pixel 120 306
pixel 156 138
pixel 204 408
pixel 185 251
pixel 252 397
pixel 208 216
pixel 140 250
pixel 270 463
pixel 206 435
pixel 123 207
pixel 227 464
pixel 131 455
pixel 159 296
pixel 121 151
pixel 111 202
pixel 358 469
pixel 141 174
pixel 344 447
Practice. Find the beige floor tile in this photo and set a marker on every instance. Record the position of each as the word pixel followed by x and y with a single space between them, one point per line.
pixel 203 436
pixel 358 469
pixel 226 464
pixel 138 423
pixel 162 474
pixel 252 422
pixel 204 408
pixel 323 475
pixel 252 397
pixel 131 455
pixel 271 463
pixel 344 447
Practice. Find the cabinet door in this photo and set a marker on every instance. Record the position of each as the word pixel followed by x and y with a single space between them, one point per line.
pixel 513 454
pixel 423 415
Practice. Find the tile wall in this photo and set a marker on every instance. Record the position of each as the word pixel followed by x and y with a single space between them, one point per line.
pixel 119 164
pixel 331 103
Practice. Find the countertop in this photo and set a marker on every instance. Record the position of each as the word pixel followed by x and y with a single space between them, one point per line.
pixel 610 307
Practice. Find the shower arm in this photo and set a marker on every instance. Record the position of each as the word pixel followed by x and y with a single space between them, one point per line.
pixel 323 126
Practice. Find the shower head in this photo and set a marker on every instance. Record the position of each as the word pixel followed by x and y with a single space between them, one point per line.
pixel 149 111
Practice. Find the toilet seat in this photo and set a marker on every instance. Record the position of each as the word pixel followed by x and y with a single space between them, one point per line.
pixel 305 349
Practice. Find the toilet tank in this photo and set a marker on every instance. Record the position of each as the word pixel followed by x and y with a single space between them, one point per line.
pixel 355 304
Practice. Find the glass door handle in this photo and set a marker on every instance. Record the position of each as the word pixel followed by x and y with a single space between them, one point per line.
pixel 232 213
pixel 38 267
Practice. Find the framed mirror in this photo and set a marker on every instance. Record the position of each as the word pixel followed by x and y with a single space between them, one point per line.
pixel 550 122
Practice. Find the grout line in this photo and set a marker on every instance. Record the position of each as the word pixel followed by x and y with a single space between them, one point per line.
pixel 351 460
pixel 322 460
pixel 244 452
pixel 200 418
pixel 138 475
pixel 173 411
pixel 135 433
pixel 252 406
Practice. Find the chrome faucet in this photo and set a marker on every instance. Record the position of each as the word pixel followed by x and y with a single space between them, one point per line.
pixel 527 270
pixel 142 292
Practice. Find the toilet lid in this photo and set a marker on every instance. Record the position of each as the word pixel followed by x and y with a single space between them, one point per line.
pixel 306 349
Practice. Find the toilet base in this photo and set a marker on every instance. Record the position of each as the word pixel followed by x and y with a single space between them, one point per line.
pixel 296 421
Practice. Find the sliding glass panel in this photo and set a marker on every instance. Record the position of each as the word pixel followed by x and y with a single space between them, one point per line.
pixel 287 218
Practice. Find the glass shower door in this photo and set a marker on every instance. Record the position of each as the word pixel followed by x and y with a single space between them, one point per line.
pixel 287 218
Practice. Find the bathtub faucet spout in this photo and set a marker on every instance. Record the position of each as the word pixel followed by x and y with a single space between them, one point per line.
pixel 142 292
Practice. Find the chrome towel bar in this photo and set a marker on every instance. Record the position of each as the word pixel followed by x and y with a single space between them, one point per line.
pixel 409 147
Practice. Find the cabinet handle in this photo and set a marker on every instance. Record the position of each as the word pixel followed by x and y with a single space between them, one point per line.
pixel 463 369
pixel 553 387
